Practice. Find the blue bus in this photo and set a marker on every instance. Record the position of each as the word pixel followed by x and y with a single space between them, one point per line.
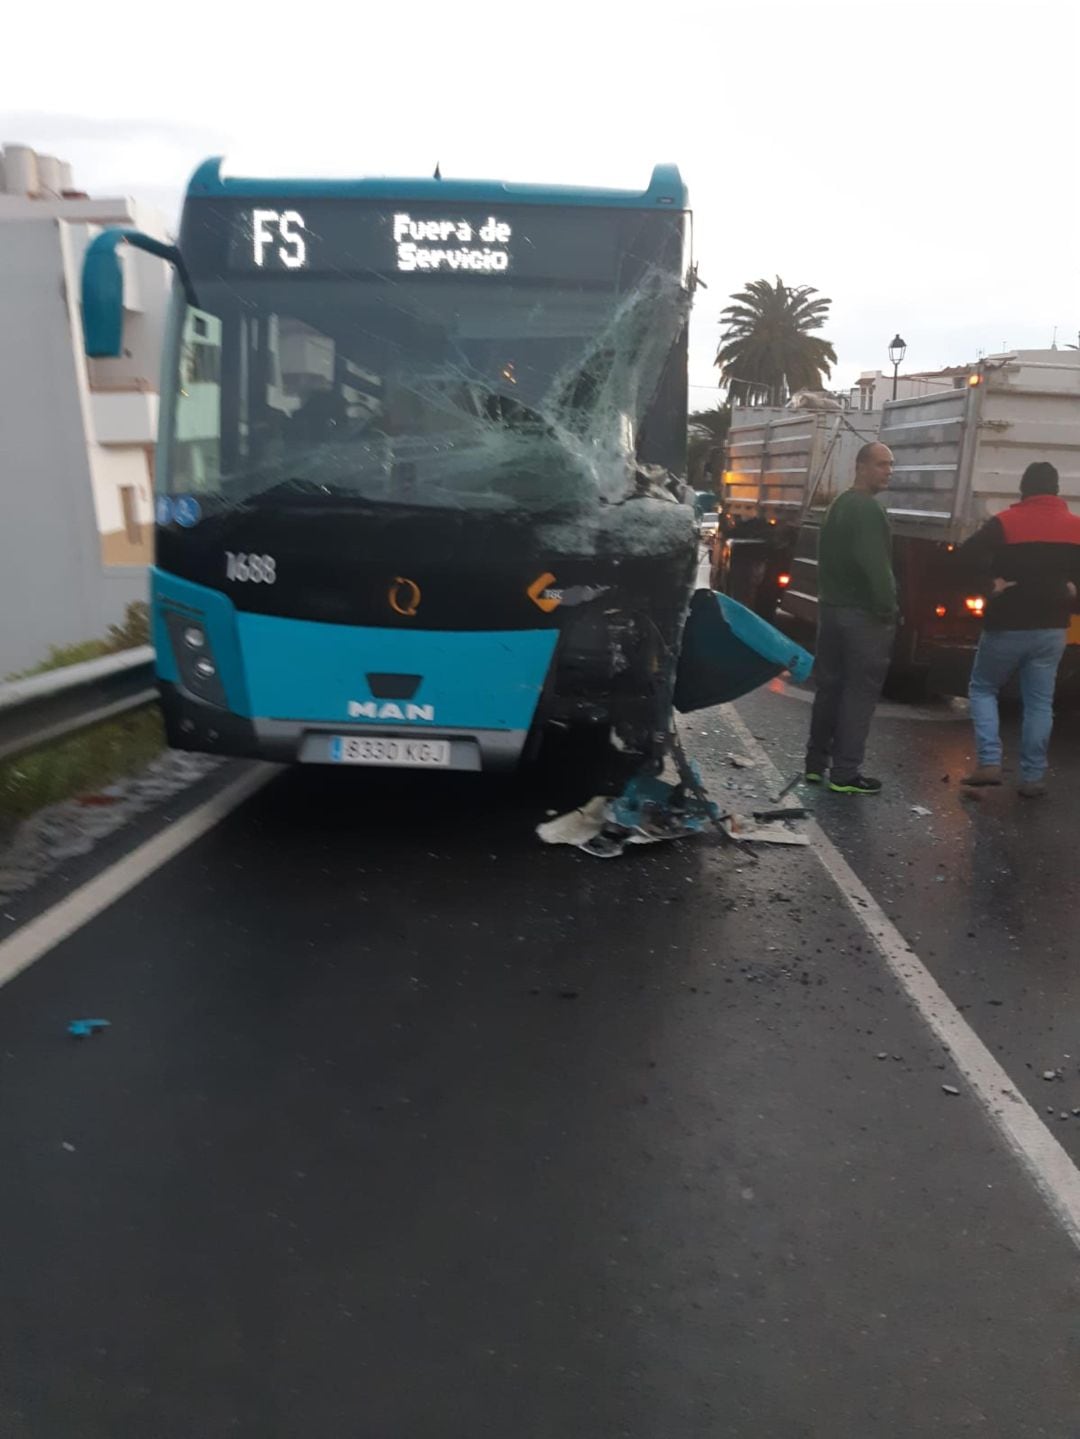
pixel 419 470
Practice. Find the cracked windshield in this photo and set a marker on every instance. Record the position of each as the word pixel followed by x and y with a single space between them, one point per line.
pixel 461 358
pixel 540 753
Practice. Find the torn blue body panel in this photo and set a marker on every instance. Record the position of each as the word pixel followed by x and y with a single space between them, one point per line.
pixel 648 810
pixel 658 809
pixel 727 651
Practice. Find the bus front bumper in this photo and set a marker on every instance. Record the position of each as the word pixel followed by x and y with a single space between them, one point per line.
pixel 191 724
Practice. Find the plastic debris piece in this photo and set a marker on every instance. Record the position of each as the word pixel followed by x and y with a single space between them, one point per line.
pixel 796 780
pixel 741 761
pixel 82 1028
pixel 921 810
pixel 950 1089
pixel 655 809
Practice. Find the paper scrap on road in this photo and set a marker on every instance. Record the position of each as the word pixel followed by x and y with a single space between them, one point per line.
pixel 748 830
pixel 921 810
pixel 578 826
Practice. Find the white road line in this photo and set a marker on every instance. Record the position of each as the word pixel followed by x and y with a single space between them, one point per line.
pixel 40 935
pixel 1043 1158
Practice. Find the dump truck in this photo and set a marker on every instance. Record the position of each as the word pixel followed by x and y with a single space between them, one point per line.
pixel 959 455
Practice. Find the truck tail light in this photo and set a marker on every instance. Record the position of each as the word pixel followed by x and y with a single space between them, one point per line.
pixel 975 604
pixel 783 581
pixel 940 612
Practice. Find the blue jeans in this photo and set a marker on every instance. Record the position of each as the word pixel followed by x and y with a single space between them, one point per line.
pixel 1036 654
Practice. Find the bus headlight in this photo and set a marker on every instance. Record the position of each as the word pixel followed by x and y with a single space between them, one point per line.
pixel 196 663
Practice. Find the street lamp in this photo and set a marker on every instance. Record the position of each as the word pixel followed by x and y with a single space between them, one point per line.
pixel 897 351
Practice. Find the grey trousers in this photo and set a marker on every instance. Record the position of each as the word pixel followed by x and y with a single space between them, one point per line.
pixel 850 665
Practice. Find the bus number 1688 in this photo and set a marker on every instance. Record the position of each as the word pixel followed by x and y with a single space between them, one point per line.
pixel 258 569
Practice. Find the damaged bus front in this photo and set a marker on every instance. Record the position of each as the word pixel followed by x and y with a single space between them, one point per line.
pixel 417 472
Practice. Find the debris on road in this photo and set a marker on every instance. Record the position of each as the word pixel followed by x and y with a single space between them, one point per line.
pixel 101 798
pixel 750 830
pixel 648 810
pixel 578 826
pixel 921 810
pixel 1050 1074
pixel 791 784
pixel 950 1089
pixel 83 1028
pixel 740 761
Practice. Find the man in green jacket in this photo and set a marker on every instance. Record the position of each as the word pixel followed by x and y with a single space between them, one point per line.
pixel 856 626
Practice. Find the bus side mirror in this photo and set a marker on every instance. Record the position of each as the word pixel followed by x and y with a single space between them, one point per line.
pixel 103 287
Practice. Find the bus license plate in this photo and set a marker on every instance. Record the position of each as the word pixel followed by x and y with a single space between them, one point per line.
pixel 400 753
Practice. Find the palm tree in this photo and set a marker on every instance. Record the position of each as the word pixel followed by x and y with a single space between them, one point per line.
pixel 766 350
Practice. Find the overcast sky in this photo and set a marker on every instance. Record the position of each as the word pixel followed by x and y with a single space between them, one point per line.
pixel 915 162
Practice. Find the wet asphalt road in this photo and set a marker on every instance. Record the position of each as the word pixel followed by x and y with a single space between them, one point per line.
pixel 408 1126
pixel 982 887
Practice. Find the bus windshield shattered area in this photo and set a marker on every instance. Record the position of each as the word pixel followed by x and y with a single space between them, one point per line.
pixel 450 380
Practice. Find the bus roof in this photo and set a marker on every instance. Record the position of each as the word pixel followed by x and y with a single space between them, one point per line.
pixel 666 188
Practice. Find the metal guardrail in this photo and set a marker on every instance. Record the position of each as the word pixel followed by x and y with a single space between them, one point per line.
pixel 62 702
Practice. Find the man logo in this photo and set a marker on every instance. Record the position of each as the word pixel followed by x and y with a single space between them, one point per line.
pixel 388 710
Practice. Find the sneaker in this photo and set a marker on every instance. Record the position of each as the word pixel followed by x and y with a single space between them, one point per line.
pixel 858 784
pixel 1033 790
pixel 983 774
pixel 813 776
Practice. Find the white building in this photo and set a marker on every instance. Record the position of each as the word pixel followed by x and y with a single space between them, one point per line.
pixel 76 436
pixel 873 387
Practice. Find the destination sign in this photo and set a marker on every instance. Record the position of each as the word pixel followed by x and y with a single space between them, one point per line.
pixel 320 236
pixel 284 239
